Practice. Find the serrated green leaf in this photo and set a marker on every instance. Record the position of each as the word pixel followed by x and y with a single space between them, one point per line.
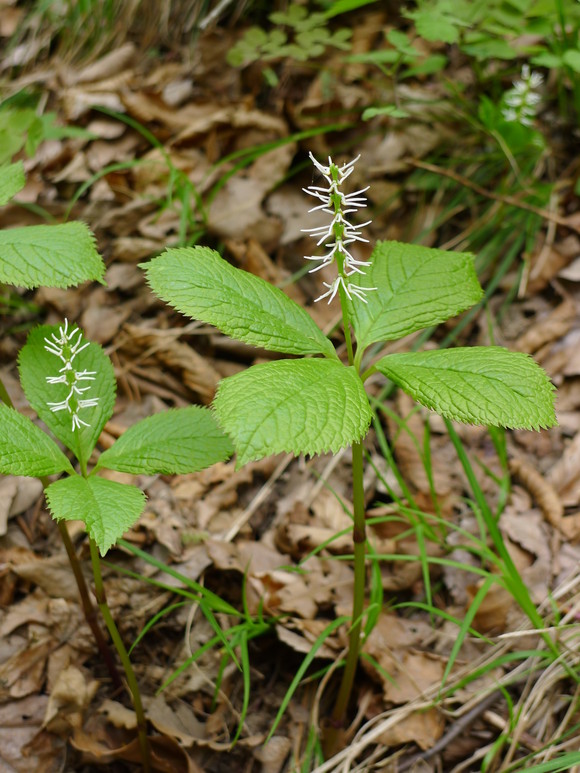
pixel 49 255
pixel 36 363
pixel 416 287
pixel 477 385
pixel 174 442
pixel 299 406
pixel 107 508
pixel 201 284
pixel 12 180
pixel 25 449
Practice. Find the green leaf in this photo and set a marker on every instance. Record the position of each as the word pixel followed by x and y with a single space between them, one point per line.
pixel 25 449
pixel 345 6
pixel 12 180
pixel 547 59
pixel 435 27
pixel 107 508
pixel 571 57
pixel 174 442
pixel 36 363
pixel 428 66
pixel 483 48
pixel 476 385
pixel 201 284
pixel 299 406
pixel 416 287
pixel 49 255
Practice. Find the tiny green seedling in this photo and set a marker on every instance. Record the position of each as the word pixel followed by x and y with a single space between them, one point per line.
pixel 315 403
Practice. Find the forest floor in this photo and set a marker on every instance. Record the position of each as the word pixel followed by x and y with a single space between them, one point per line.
pixel 179 147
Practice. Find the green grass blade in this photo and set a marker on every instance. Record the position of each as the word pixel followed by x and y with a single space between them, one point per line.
pixel 303 668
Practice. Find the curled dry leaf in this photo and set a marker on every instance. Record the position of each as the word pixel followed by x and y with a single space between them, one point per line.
pixel 541 490
pixel 548 329
pixel 69 699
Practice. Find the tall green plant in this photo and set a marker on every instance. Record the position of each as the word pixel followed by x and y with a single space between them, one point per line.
pixel 314 402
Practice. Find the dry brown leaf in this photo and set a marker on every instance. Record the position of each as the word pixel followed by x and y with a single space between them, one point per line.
pixel 102 318
pixel 215 512
pixel 424 728
pixel 412 671
pixel 196 371
pixel 565 474
pixel 132 249
pixel 166 754
pixel 118 714
pixel 179 723
pixel 20 722
pixel 549 261
pixel 10 19
pixel 17 494
pixel 541 490
pixel 52 574
pixel 77 101
pixel 106 67
pixel 300 635
pixel 273 755
pixel 70 697
pixel 491 615
pixel 32 608
pixel 547 329
pixel 23 673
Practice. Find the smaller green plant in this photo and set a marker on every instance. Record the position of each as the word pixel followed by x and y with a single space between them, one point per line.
pixel 83 388
pixel 176 441
pixel 23 129
pixel 297 34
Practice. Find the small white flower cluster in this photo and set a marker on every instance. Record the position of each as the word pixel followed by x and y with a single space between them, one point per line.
pixel 66 348
pixel 339 231
pixel 522 100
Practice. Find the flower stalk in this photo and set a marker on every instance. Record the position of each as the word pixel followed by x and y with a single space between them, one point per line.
pixel 342 234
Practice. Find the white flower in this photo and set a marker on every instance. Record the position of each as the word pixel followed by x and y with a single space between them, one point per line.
pixel 339 233
pixel 66 346
pixel 522 100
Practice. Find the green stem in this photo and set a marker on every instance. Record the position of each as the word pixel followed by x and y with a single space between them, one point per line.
pixel 123 654
pixel 88 607
pixel 346 325
pixel 359 538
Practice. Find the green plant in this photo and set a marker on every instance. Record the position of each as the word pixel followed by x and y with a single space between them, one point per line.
pixel 307 38
pixel 544 31
pixel 83 388
pixel 22 128
pixel 310 405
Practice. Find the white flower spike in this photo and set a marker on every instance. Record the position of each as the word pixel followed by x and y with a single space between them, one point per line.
pixel 340 231
pixel 66 346
pixel 522 100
